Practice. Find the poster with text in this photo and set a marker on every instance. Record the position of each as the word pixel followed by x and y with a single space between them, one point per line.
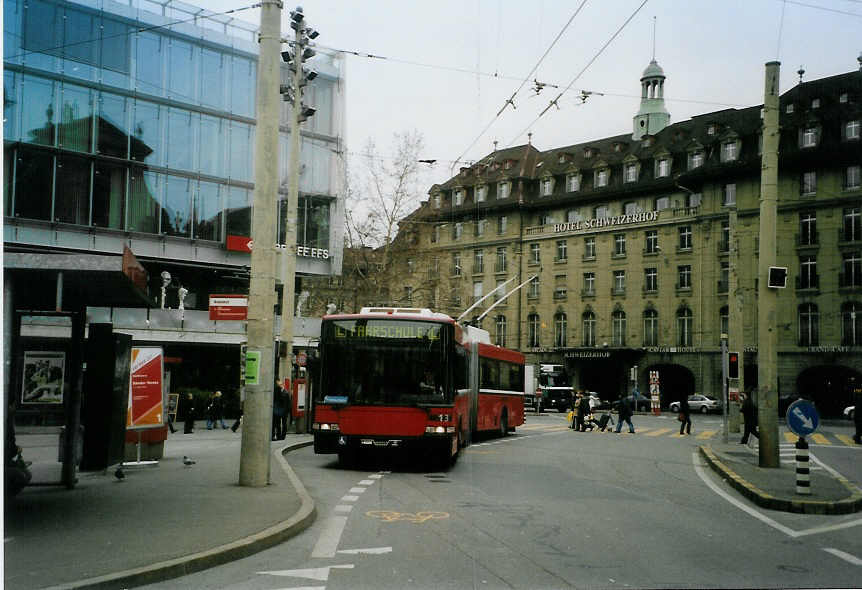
pixel 145 388
pixel 44 372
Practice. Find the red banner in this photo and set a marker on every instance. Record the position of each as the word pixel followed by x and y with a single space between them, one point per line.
pixel 145 389
pixel 228 307
pixel 239 243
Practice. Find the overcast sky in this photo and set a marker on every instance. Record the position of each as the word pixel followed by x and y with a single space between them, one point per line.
pixel 451 64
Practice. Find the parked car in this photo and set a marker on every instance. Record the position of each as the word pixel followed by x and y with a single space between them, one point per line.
pixel 642 403
pixel 850 412
pixel 699 403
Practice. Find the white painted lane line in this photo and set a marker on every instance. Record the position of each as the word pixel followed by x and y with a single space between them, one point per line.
pixel 303 588
pixel 830 527
pixel 375 476
pixel 349 498
pixel 357 490
pixel 366 482
pixel 327 544
pixel 321 574
pixel 369 551
pixel 343 508
pixel 845 556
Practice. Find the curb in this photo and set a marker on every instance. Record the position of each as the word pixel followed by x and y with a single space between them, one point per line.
pixel 195 562
pixel 849 505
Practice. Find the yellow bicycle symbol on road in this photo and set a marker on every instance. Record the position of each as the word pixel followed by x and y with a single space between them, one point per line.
pixel 418 517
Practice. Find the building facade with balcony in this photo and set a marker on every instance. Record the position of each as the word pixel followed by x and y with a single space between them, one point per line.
pixel 129 127
pixel 641 249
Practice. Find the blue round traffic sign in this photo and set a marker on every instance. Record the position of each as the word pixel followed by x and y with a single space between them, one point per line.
pixel 802 418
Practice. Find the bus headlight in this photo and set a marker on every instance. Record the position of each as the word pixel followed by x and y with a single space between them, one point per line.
pixel 439 430
pixel 324 426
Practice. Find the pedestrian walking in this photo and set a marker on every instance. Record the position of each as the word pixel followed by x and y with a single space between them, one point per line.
pixel 215 411
pixel 238 421
pixel 857 418
pixel 288 411
pixel 626 413
pixel 189 414
pixel 684 416
pixel 279 407
pixel 578 422
pixel 749 415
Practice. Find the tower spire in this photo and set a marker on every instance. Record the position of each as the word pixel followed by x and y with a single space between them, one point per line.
pixel 653 37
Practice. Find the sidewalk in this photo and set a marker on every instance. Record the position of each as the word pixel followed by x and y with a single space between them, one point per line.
pixel 775 488
pixel 158 523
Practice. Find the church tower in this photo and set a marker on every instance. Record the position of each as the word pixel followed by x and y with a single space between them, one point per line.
pixel 652 116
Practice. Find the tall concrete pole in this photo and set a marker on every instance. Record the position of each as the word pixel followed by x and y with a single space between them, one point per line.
pixel 735 320
pixel 767 299
pixel 257 409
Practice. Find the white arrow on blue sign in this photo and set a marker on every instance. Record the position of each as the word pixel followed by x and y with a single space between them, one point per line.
pixel 802 418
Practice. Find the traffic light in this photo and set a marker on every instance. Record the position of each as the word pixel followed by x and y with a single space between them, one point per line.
pixel 733 365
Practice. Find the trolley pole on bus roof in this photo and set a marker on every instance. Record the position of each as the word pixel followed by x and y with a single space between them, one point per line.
pixel 257 409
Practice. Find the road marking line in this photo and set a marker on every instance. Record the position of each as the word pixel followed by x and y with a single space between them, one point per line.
pixel 820 439
pixel 845 556
pixel 369 551
pixel 327 544
pixel 659 432
pixel 345 508
pixel 366 482
pixel 375 476
pixel 349 498
pixel 357 490
pixel 847 440
pixel 320 574
pixel 706 434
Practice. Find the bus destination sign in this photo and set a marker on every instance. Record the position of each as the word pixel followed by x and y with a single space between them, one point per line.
pixel 387 329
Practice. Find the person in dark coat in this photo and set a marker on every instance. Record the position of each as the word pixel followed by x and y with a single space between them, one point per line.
pixel 749 415
pixel 279 409
pixel 215 411
pixel 580 412
pixel 857 417
pixel 188 409
pixel 684 416
pixel 626 413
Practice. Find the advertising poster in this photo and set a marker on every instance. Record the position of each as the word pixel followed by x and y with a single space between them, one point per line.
pixel 44 372
pixel 145 388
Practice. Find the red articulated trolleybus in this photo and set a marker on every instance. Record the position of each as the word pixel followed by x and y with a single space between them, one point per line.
pixel 411 378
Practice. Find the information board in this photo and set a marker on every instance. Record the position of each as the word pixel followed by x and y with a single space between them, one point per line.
pixel 146 408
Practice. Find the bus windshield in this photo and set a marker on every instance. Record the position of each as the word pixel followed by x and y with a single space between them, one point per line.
pixel 383 362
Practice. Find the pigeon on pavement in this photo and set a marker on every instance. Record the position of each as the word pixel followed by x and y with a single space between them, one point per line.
pixel 188 462
pixel 119 474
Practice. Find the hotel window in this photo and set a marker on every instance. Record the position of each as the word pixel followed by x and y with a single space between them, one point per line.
pixel 650 327
pixel 694 199
pixel 807 228
pixel 499 290
pixel 620 245
pixel 631 208
pixel 651 241
pixel 481 193
pixel 851 129
pixel 500 266
pixel 502 224
pixel 457 230
pixel 729 194
pixel 631 173
pixel 684 276
pixel 684 322
pixel 500 330
pixel 503 190
pixel 789 108
pixel 535 253
pixel 852 224
pixel 477 291
pixel 695 159
pixel 456 264
pixel 815 103
pixel 618 322
pixel 809 325
pixel 435 234
pixel 589 331
pixel 601 177
pixel 533 330
pixel 724 277
pixel 650 280
pixel 589 247
pixel 685 237
pixel 619 282
pixel 547 187
pixel 852 275
pixel 807 272
pixel 728 151
pixel 480 227
pixel 411 266
pixel 809 183
pixel 662 203
pixel 573 183
pixel 437 201
pixel 478 261
pixel 458 197
pixel 533 290
pixel 724 245
pixel 851 325
pixel 808 137
pixel 562 250
pixel 601 212
pixel 662 168
pixel 852 177
pixel 572 216
pixel 560 329
pixel 589 283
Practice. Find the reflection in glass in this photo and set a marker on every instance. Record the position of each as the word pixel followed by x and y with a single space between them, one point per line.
pixel 212 146
pixel 37 113
pixel 146 129
pixel 76 119
pixel 176 213
pixel 313 222
pixel 80 44
pixel 182 128
pixel 242 86
pixel 109 195
pixel 240 153
pixel 33 184
pixel 43 25
pixel 208 212
pixel 238 210
pixel 72 200
pixel 112 135
pixel 213 85
pixel 8 180
pixel 10 105
pixel 181 70
pixel 145 190
pixel 115 46
pixel 149 64
pixel 12 41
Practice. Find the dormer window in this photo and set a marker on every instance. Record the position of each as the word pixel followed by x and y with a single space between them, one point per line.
pixel 458 197
pixel 508 164
pixel 436 199
pixel 618 147
pixel 789 108
pixel 844 98
pixel 547 186
pixel 588 153
pixel 662 168
pixel 481 193
pixel 573 183
pixel 647 141
pixel 808 137
pixel 562 159
pixel 503 190
pixel 851 130
pixel 495 166
pixel 601 177
pixel 729 151
pixel 710 130
pixel 695 159
pixel 662 203
pixel 631 172
pixel 815 103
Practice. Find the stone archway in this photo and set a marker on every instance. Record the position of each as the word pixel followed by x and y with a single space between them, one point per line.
pixel 829 387
pixel 675 381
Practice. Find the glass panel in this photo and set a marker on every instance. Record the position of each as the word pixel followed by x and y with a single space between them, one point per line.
pixel 242 86
pixel 72 203
pixel 8 172
pixel 238 210
pixel 314 220
pixel 76 119
pixel 109 195
pixel 149 64
pixel 146 145
pixel 181 70
pixel 240 155
pixel 212 146
pixel 12 42
pixel 37 114
pixel 11 111
pixel 145 190
pixel 112 134
pixel 176 213
pixel 182 128
pixel 81 45
pixel 33 184
pixel 115 46
pixel 43 34
pixel 208 212
pixel 213 85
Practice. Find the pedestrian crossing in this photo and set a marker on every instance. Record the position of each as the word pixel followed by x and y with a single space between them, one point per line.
pixel 826 439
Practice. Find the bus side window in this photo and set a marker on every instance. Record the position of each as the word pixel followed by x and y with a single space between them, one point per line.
pixel 460 368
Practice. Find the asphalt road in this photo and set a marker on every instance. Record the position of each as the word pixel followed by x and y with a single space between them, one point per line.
pixel 551 508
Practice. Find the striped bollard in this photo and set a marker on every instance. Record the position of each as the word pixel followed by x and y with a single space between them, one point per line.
pixel 803 474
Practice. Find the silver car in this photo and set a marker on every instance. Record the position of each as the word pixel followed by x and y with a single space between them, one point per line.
pixel 699 403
